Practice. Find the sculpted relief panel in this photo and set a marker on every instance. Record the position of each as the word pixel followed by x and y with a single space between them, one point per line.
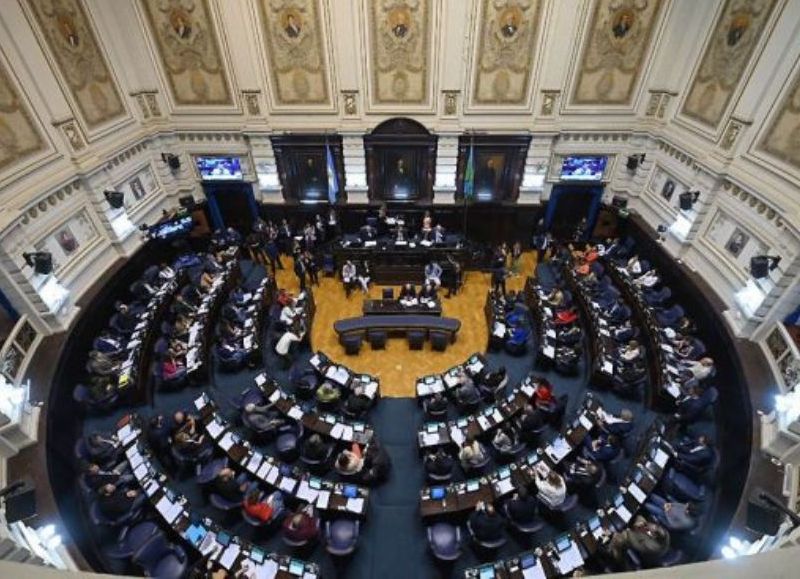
pixel 782 139
pixel 618 39
pixel 73 45
pixel 400 32
pixel 504 64
pixel 189 50
pixel 726 56
pixel 295 51
pixel 19 136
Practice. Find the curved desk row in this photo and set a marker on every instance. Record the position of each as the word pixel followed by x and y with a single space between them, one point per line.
pixel 234 554
pixel 397 324
pixel 464 496
pixel 327 496
pixel 344 376
pixel 434 434
pixel 323 423
pixel 570 550
pixel 448 380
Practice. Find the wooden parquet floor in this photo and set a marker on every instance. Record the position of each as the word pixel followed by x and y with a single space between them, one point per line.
pixel 397 366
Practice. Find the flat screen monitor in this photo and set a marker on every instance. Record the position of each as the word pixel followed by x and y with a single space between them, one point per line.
pixel 575 168
pixel 219 168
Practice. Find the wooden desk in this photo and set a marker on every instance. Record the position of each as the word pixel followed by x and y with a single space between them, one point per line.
pixel 395 308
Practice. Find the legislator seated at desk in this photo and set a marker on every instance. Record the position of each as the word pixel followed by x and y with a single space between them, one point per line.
pixel 485 524
pixel 116 501
pixel 521 508
pixel 302 526
pixel 408 295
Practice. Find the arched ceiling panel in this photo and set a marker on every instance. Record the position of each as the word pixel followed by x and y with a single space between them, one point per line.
pixel 502 71
pixel 189 50
pixel 295 51
pixel 618 40
pixel 727 54
pixel 19 136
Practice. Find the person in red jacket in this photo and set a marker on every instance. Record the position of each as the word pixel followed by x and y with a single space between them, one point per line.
pixel 263 509
pixel 543 396
pixel 302 525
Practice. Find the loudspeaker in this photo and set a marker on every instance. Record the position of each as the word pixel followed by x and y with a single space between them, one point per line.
pixel 40 261
pixel 187 201
pixel 686 200
pixel 173 161
pixel 633 163
pixel 115 198
pixel 761 517
pixel 759 266
pixel 21 504
pixel 619 202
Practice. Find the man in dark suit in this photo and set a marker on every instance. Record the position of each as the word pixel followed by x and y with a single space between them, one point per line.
pixel 620 425
pixel 439 463
pixel 114 501
pixel 314 448
pixel 521 508
pixel 487 526
pixel 300 271
pixel 696 452
pixel 603 448
pixel 228 486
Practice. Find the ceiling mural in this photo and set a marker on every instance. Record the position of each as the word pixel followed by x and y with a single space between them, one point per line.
pixel 619 37
pixel 400 36
pixel 782 139
pixel 19 136
pixel 73 45
pixel 189 51
pixel 504 65
pixel 726 56
pixel 295 51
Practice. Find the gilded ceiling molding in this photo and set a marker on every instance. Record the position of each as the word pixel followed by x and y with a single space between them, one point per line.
pixel 189 51
pixel 727 54
pixel 74 47
pixel 295 50
pixel 506 52
pixel 782 139
pixel 400 39
pixel 19 135
pixel 619 36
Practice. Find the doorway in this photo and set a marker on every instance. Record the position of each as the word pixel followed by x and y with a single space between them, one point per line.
pixel 231 205
pixel 569 206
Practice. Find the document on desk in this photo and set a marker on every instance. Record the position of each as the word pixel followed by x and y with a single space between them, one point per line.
pixel 496 416
pixel 347 433
pixel 169 510
pixel 637 493
pixel 337 374
pixel 608 367
pixel 275 396
pixel 504 486
pixel 457 436
pixel 255 462
pixel 151 488
pixel 370 389
pixel 323 498
pixel 337 431
pixel 570 559
pixel 126 434
pixel 548 312
pixel 527 389
pixel 288 484
pixel 315 360
pixel 674 390
pixel 215 429
pixel 264 470
pixel 272 474
pixel 247 342
pixel 499 330
pixel 549 351
pixel 261 379
pixel 535 572
pixel 660 458
pixel 268 569
pixel 229 556
pixel 135 460
pixel 370 243
pixel 484 422
pixel 585 421
pixel 558 449
pixel 306 493
pixel 429 439
pixel 295 412
pixel 355 505
pixel 624 513
pixel 248 323
pixel 672 370
pixel 550 333
pixel 140 472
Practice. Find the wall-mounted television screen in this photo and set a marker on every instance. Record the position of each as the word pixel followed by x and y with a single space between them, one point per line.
pixel 583 168
pixel 219 168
